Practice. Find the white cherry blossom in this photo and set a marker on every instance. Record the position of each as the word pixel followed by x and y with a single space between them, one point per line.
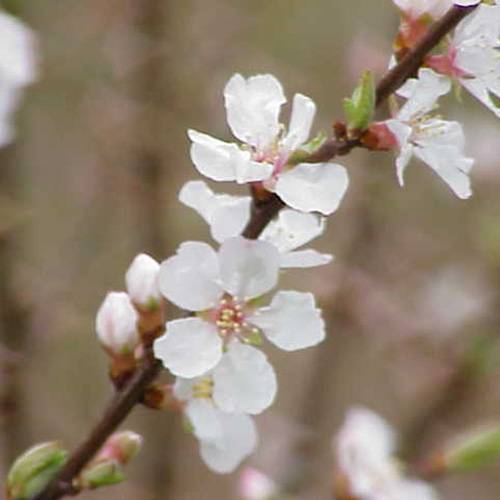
pixel 225 439
pixel 438 143
pixel 142 280
pixel 228 215
pixel 222 288
pixel 473 57
pixel 415 9
pixel 116 324
pixel 253 107
pixel 364 449
pixel 18 68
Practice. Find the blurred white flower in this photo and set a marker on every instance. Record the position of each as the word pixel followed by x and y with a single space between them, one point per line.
pixel 438 143
pixel 255 485
pixel 473 57
pixel 364 448
pixel 142 280
pixel 225 439
pixel 253 107
pixel 116 324
pixel 433 8
pixel 18 68
pixel 228 215
pixel 222 287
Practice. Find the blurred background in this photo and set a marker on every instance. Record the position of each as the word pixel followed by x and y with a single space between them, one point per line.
pixel 412 300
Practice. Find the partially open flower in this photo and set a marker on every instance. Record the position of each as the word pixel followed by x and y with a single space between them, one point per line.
pixel 116 324
pixel 142 281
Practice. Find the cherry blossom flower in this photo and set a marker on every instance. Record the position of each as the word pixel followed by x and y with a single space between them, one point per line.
pixel 116 324
pixel 228 215
pixel 415 9
pixel 18 68
pixel 473 57
pixel 225 439
pixel 364 448
pixel 436 142
pixel 253 107
pixel 222 288
pixel 142 281
pixel 254 485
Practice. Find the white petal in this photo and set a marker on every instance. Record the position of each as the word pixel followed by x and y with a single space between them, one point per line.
pixel 18 65
pixel 252 171
pixel 253 107
pixel 239 439
pixel 244 381
pixel 312 187
pixel 442 149
pixel 480 91
pixel 205 419
pixel 248 268
pixel 227 215
pixel 213 158
pixel 189 348
pixel 292 229
pixel 303 112
pixel 425 92
pixel 305 259
pixel 402 132
pixel 142 279
pixel 189 279
pixel 414 490
pixel 116 323
pixel 292 321
pixel 183 387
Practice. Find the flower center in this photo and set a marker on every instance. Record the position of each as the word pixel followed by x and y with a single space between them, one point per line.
pixel 203 389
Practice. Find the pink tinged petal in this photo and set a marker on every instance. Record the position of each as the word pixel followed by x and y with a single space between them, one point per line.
pixel 238 440
pixel 116 323
pixel 213 158
pixel 253 107
pixel 303 112
pixel 189 279
pixel 226 215
pixel 305 259
pixel 142 280
pixel 292 321
pixel 18 52
pixel 205 419
pixel 313 187
pixel 244 381
pixel 423 94
pixel 189 348
pixel 292 229
pixel 248 268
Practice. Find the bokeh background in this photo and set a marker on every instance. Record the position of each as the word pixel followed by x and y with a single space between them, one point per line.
pixel 412 300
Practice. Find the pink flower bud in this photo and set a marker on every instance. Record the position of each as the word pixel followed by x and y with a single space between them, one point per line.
pixel 254 485
pixel 116 324
pixel 121 447
pixel 142 281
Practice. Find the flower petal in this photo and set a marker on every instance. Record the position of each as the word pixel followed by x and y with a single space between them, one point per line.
pixel 292 321
pixel 244 381
pixel 226 215
pixel 189 348
pixel 313 187
pixel 305 259
pixel 205 419
pixel 239 439
pixel 188 279
pixel 292 229
pixel 303 112
pixel 248 268
pixel 253 107
pixel 402 133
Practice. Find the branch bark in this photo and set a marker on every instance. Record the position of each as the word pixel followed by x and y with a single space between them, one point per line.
pixel 262 213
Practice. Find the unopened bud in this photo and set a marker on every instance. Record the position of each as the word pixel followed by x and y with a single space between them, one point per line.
pixel 105 473
pixel 359 109
pixel 254 485
pixel 116 324
pixel 142 281
pixel 121 447
pixel 34 469
pixel 473 450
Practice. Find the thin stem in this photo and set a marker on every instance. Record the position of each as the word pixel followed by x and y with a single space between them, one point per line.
pixel 262 213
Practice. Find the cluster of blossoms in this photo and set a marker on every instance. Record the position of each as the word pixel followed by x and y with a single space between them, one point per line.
pixel 366 467
pixel 18 68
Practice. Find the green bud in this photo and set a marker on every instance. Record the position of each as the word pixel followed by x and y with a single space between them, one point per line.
pixel 473 450
pixel 34 469
pixel 359 109
pixel 99 474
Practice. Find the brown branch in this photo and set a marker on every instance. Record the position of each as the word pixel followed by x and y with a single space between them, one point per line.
pixel 262 213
